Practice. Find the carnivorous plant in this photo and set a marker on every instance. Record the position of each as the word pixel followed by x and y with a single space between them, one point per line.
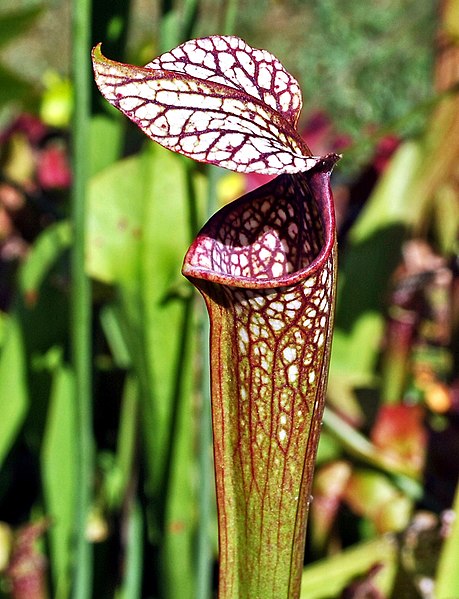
pixel 265 265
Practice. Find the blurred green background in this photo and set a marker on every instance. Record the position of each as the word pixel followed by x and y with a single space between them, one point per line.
pixel 106 484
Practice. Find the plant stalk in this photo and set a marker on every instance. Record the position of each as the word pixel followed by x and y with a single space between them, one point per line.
pixel 81 296
pixel 265 266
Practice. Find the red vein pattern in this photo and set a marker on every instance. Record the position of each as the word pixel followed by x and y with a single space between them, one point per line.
pixel 230 61
pixel 216 100
pixel 265 265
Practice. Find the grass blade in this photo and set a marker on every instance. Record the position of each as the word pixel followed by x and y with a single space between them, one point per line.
pixel 13 385
pixel 58 463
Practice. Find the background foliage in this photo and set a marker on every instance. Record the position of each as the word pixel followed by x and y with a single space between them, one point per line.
pixel 385 480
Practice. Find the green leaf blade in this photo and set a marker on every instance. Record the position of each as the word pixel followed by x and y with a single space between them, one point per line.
pixel 59 468
pixel 14 393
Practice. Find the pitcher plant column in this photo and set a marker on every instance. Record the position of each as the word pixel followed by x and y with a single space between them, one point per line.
pixel 265 265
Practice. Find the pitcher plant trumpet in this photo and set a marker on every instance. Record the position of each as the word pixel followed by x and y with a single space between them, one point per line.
pixel 266 267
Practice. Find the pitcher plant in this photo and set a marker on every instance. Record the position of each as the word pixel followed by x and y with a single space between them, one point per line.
pixel 266 266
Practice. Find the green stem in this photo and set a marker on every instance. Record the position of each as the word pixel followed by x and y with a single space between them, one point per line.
pixel 81 296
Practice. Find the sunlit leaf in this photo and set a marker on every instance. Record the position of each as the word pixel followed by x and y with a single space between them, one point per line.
pixel 47 248
pixel 215 100
pixel 231 61
pixel 105 142
pixel 14 396
pixel 58 465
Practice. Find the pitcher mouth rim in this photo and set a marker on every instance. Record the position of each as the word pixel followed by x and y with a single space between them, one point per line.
pixel 323 169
